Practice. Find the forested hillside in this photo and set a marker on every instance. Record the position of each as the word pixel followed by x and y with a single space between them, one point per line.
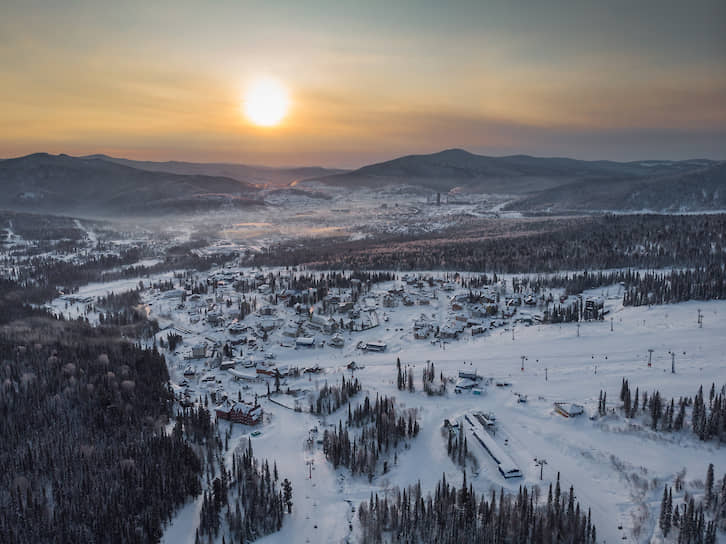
pixel 84 453
pixel 454 515
pixel 534 245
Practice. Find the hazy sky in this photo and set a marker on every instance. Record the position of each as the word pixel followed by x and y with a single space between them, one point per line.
pixel 368 80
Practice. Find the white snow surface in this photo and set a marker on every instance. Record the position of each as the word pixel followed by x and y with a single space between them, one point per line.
pixel 617 467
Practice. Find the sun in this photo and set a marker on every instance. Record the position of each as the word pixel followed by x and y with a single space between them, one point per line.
pixel 266 102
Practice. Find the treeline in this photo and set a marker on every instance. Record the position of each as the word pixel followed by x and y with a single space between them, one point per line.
pixel 249 498
pixel 314 288
pixel 573 283
pixel 323 283
pixel 691 516
pixel 47 271
pixel 373 430
pixel 332 397
pixel 676 286
pixel 18 302
pixel 123 313
pixel 453 515
pixel 114 302
pixel 639 288
pixel 122 318
pixel 50 228
pixel 84 455
pixel 171 261
pixel 565 313
pixel 40 279
pixel 707 421
pixel 338 280
pixel 526 246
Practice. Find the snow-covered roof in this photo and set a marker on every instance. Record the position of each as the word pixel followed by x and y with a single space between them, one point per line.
pixel 465 383
pixel 570 408
pixel 243 407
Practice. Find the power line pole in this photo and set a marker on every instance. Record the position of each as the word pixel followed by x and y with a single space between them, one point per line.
pixel 524 358
pixel 540 463
pixel 650 356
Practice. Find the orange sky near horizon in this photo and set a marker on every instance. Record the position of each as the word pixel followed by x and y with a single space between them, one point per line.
pixel 366 82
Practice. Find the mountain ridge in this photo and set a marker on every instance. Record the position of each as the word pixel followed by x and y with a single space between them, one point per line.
pixel 103 185
pixel 65 184
pixel 452 168
pixel 249 173
pixel 540 184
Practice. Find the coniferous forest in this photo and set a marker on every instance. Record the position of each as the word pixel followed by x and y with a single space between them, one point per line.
pixel 249 498
pixel 704 414
pixel 458 514
pixel 372 432
pixel 536 245
pixel 332 397
pixel 84 454
pixel 694 520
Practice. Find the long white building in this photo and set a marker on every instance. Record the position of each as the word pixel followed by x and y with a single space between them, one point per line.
pixel 507 467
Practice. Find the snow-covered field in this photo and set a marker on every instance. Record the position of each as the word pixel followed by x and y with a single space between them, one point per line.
pixel 618 468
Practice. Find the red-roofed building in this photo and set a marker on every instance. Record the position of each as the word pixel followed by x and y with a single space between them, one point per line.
pixel 246 413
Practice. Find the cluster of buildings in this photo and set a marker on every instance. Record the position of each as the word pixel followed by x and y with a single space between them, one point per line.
pixel 468 380
pixel 240 313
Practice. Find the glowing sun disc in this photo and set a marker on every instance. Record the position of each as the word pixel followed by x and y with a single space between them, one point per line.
pixel 266 102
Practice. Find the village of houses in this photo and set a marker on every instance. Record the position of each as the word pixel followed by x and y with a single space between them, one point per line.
pixel 257 346
pixel 288 333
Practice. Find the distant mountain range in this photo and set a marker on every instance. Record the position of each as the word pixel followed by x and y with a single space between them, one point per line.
pixel 61 184
pixel 99 185
pixel 260 175
pixel 558 184
pixel 674 188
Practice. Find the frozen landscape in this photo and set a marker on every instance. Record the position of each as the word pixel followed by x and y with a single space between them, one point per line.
pixel 318 348
pixel 618 465
pixel 551 382
pixel 363 272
